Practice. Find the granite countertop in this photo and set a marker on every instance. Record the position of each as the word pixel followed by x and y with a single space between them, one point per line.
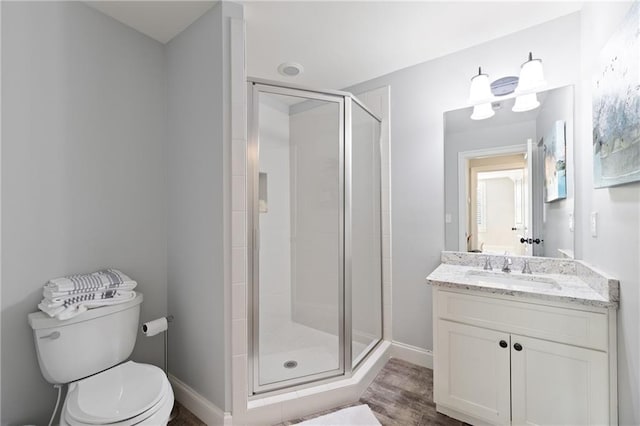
pixel 549 285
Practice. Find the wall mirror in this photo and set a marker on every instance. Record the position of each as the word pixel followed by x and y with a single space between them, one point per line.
pixel 509 179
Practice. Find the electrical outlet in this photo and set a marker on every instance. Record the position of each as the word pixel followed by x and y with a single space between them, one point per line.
pixel 594 224
pixel 447 218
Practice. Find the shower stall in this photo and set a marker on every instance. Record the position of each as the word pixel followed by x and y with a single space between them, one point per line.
pixel 315 239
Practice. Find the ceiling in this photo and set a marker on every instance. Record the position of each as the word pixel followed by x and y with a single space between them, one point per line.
pixel 341 43
pixel 160 20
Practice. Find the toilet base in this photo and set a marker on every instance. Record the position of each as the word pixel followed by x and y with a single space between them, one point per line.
pixel 175 412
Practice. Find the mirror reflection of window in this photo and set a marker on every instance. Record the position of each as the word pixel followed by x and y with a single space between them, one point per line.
pixel 519 200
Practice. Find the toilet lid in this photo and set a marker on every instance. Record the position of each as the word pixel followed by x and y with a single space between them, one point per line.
pixel 117 394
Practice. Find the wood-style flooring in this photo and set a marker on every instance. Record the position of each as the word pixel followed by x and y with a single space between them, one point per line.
pixel 401 395
pixel 185 418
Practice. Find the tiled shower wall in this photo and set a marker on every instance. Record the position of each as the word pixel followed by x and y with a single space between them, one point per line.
pixel 239 334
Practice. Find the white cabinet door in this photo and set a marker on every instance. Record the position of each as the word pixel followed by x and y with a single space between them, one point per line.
pixel 557 384
pixel 472 371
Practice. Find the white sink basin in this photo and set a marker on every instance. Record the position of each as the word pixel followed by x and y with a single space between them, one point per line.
pixel 513 280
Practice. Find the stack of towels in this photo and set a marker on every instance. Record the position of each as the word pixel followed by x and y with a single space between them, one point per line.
pixel 67 297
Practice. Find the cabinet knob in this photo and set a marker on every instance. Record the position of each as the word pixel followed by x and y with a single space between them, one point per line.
pixel 503 344
pixel 517 347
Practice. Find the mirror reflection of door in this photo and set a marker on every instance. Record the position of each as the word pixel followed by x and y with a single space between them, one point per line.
pixel 498 204
pixel 550 221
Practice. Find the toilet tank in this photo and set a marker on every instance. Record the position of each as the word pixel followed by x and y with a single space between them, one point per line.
pixel 91 342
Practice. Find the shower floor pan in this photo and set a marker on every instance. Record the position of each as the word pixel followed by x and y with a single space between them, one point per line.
pixel 313 350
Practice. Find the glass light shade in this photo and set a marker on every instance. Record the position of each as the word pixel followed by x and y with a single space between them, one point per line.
pixel 480 89
pixel 526 103
pixel 531 76
pixel 482 111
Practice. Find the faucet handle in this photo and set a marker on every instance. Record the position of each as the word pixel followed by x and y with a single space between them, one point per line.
pixel 487 264
pixel 507 264
pixel 526 269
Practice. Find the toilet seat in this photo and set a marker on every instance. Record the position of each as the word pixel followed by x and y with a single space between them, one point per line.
pixel 124 395
pixel 158 415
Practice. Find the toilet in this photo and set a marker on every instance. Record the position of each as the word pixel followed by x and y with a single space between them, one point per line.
pixel 88 352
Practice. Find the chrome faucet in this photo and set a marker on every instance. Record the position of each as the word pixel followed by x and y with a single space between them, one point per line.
pixel 526 269
pixel 506 267
pixel 487 264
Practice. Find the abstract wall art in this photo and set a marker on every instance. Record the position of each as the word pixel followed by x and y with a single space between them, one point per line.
pixel 555 163
pixel 616 106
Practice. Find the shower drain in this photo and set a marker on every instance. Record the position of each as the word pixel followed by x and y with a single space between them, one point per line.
pixel 291 364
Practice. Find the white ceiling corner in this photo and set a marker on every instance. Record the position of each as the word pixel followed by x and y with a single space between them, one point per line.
pixel 160 20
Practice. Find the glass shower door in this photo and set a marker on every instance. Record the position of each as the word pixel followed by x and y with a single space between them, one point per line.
pixel 297 227
pixel 366 233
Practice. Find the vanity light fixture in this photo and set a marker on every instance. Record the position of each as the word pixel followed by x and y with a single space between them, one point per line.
pixel 531 79
pixel 531 75
pixel 482 111
pixel 480 90
pixel 526 103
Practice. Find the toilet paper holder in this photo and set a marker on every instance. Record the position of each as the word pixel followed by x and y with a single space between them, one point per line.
pixel 156 326
pixel 145 328
pixel 169 319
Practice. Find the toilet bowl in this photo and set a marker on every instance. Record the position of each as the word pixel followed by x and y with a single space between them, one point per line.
pixel 88 352
pixel 128 394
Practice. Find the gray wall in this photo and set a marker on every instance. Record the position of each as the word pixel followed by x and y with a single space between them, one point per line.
pixel 83 174
pixel 617 247
pixel 199 225
pixel 454 143
pixel 419 96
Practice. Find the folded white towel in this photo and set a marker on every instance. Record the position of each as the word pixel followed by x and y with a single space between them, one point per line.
pixel 96 295
pixel 69 307
pixel 48 293
pixel 107 278
pixel 69 296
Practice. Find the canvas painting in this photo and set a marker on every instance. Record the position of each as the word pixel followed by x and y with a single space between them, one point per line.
pixel 616 106
pixel 555 164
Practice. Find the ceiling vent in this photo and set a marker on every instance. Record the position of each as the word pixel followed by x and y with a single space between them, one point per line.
pixel 290 69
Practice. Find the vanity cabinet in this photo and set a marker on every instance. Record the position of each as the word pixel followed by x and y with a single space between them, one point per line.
pixel 503 360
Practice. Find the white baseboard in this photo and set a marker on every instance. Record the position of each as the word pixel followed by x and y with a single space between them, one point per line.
pixel 413 354
pixel 201 407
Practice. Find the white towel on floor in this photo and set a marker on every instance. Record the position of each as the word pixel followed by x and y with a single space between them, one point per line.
pixel 360 415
